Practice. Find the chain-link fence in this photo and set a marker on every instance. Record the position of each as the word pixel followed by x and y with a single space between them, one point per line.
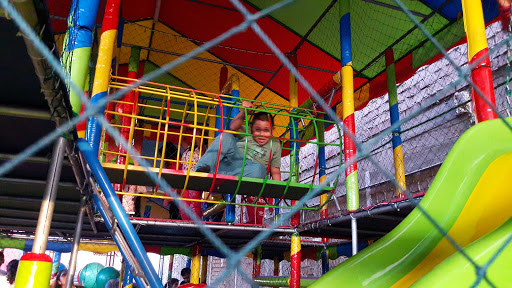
pixel 426 139
pixel 433 102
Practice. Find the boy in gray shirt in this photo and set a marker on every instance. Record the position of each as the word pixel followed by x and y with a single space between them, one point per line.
pixel 263 152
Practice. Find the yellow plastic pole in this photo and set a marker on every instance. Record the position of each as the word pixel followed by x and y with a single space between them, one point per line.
pixel 395 117
pixel 204 268
pixel 349 147
pixel 196 264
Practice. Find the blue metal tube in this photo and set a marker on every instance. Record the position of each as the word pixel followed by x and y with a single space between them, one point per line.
pixel 116 207
pixel 97 203
pixel 94 128
pixel 227 116
pixel 128 277
pixel 325 262
pixel 230 209
pixel 139 282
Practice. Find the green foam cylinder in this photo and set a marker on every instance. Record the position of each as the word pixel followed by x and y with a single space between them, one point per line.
pixel 281 281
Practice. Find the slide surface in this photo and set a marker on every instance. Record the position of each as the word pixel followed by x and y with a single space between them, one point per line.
pixel 469 197
pixel 457 271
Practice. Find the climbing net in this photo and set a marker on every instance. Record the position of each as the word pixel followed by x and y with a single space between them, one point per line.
pixel 365 149
pixel 171 116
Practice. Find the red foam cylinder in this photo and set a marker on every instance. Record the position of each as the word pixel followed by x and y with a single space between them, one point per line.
pixel 481 76
pixel 255 215
pixel 194 205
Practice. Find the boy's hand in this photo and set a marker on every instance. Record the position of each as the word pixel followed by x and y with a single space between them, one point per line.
pixel 247 104
pixel 237 122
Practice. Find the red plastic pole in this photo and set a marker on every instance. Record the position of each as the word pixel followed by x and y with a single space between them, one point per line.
pixel 256 263
pixel 133 68
pixel 481 74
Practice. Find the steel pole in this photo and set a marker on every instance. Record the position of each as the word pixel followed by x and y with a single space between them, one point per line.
pixel 354 235
pixel 48 203
pixel 76 242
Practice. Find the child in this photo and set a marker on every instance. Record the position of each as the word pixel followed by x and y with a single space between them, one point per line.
pixel 12 268
pixel 60 279
pixel 189 155
pixel 259 147
pixel 185 274
pixel 262 152
pixel 172 283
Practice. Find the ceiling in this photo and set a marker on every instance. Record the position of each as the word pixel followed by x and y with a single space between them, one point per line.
pixel 377 25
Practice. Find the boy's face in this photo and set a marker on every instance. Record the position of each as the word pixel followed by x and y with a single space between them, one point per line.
pixel 260 131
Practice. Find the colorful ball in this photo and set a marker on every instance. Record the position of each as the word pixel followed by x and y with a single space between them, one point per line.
pixel 106 274
pixel 88 274
pixel 77 276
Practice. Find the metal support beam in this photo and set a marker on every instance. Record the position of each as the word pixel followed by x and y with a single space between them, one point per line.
pixel 76 242
pixel 210 226
pixel 382 4
pixel 48 204
pixel 411 202
pixel 200 58
pixel 24 113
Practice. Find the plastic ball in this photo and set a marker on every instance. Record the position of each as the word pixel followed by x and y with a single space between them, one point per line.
pixel 106 274
pixel 88 274
pixel 77 276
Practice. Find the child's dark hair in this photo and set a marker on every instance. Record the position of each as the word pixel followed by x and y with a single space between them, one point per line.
pixel 172 282
pixel 185 271
pixel 60 274
pixel 12 268
pixel 263 116
pixel 171 151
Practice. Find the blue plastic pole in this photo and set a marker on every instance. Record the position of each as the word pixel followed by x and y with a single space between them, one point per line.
pixel 139 282
pixel 225 112
pixel 56 264
pixel 230 209
pixel 99 208
pixel 325 262
pixel 128 277
pixel 235 93
pixel 115 205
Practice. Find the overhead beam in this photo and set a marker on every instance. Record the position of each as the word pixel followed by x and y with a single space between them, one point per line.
pixel 214 5
pixel 210 226
pixel 14 223
pixel 24 113
pixel 382 4
pixel 156 15
pixel 201 59
pixel 32 215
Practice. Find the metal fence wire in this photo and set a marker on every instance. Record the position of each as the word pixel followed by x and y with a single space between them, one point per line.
pixel 422 119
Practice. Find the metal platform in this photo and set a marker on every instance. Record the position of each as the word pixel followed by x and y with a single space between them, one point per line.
pixel 223 184
pixel 20 201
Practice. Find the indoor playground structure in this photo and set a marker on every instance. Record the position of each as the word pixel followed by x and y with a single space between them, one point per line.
pixel 337 143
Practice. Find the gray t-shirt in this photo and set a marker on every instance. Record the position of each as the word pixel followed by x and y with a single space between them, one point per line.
pixel 260 154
